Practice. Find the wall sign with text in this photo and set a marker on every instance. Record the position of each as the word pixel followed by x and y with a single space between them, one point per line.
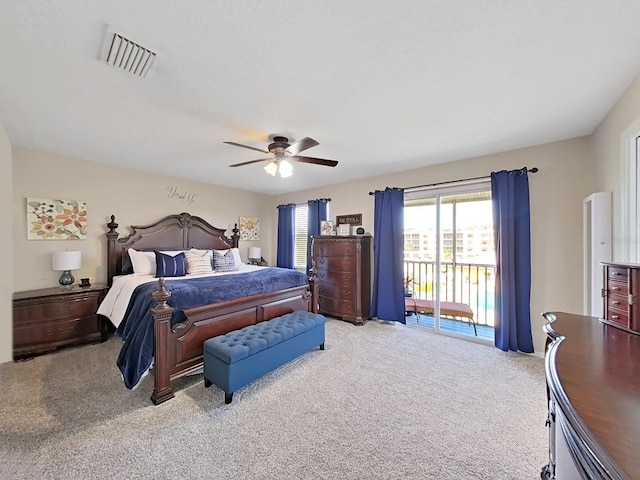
pixel 353 219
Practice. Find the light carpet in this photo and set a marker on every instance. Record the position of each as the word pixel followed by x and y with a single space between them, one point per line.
pixel 380 402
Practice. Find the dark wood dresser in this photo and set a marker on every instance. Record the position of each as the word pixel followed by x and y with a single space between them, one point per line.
pixel 593 379
pixel 621 295
pixel 343 270
pixel 46 319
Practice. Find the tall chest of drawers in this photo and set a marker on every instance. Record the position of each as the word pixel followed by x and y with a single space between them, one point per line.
pixel 48 318
pixel 621 294
pixel 343 271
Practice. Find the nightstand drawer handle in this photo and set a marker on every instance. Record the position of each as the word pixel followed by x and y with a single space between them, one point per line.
pixel 615 273
pixel 615 317
pixel 615 289
pixel 615 302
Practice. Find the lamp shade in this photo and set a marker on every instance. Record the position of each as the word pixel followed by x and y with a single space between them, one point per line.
pixel 255 252
pixel 61 261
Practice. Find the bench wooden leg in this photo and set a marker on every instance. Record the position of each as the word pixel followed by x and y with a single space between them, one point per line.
pixel 228 397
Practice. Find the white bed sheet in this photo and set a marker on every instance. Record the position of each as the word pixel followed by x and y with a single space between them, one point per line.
pixel 115 303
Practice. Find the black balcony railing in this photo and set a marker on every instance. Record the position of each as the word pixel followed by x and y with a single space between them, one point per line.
pixel 469 283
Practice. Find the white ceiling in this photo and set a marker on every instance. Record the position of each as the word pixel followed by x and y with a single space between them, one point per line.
pixel 383 86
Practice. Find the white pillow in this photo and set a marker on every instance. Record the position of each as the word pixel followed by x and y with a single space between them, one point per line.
pixel 236 255
pixel 199 261
pixel 144 263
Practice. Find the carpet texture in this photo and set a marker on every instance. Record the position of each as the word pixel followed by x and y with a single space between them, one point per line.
pixel 382 401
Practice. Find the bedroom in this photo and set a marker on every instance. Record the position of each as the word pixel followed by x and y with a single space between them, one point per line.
pixel 569 171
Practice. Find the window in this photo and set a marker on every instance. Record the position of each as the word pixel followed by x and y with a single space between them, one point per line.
pixel 301 229
pixel 301 236
pixel 411 242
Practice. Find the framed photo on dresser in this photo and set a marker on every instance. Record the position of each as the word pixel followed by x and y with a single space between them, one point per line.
pixel 326 227
pixel 344 229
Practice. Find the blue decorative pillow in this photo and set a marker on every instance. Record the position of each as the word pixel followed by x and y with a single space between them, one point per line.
pixel 224 262
pixel 127 267
pixel 170 265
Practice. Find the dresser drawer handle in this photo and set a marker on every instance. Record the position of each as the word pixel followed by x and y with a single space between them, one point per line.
pixel 615 289
pixel 321 261
pixel 615 317
pixel 615 302
pixel 615 273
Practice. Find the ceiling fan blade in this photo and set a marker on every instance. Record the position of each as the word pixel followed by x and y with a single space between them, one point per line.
pixel 301 145
pixel 316 161
pixel 247 146
pixel 250 162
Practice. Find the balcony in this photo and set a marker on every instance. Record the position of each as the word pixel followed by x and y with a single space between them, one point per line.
pixel 472 284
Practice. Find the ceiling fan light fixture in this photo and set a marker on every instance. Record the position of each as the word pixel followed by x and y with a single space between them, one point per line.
pixel 271 168
pixel 285 169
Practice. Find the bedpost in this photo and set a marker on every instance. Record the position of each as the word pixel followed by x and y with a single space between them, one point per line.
pixel 313 286
pixel 235 238
pixel 162 312
pixel 112 239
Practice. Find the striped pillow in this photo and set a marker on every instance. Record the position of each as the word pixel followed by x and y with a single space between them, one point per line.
pixel 224 263
pixel 170 265
pixel 199 262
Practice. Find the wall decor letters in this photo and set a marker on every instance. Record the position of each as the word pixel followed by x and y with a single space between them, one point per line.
pixel 185 197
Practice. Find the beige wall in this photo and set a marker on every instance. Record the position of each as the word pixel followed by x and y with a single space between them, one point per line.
pixel 134 197
pixel 6 280
pixel 569 171
pixel 566 176
pixel 611 147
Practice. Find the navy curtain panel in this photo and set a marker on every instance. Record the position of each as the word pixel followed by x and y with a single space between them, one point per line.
pixel 286 235
pixel 317 212
pixel 512 236
pixel 387 302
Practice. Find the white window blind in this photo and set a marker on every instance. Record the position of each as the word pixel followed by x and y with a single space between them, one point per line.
pixel 301 235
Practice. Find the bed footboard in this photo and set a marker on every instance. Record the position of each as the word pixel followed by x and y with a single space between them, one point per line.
pixel 179 348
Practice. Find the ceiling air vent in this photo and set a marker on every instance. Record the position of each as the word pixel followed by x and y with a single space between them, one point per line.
pixel 124 54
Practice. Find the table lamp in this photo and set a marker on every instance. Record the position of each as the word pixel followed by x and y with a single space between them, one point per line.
pixel 255 255
pixel 65 262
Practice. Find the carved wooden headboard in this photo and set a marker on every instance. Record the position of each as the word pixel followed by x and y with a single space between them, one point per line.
pixel 173 232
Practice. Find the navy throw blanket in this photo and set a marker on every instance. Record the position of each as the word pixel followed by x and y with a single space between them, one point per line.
pixel 136 329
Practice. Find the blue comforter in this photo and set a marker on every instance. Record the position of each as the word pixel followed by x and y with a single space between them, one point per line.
pixel 136 329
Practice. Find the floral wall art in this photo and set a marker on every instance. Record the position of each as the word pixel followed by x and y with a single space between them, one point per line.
pixel 50 219
pixel 249 228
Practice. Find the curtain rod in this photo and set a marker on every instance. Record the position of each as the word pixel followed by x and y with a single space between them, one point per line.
pixel 531 170
pixel 304 203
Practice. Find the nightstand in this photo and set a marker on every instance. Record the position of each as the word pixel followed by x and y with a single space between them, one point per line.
pixel 48 318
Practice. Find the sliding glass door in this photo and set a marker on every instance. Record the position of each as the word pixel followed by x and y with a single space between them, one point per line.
pixel 449 260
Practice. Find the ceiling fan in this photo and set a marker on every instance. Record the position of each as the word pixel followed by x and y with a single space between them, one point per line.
pixel 282 153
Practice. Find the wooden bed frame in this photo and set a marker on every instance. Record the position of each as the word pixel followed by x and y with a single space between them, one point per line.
pixel 178 348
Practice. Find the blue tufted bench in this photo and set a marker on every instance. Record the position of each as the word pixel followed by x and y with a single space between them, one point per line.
pixel 237 358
